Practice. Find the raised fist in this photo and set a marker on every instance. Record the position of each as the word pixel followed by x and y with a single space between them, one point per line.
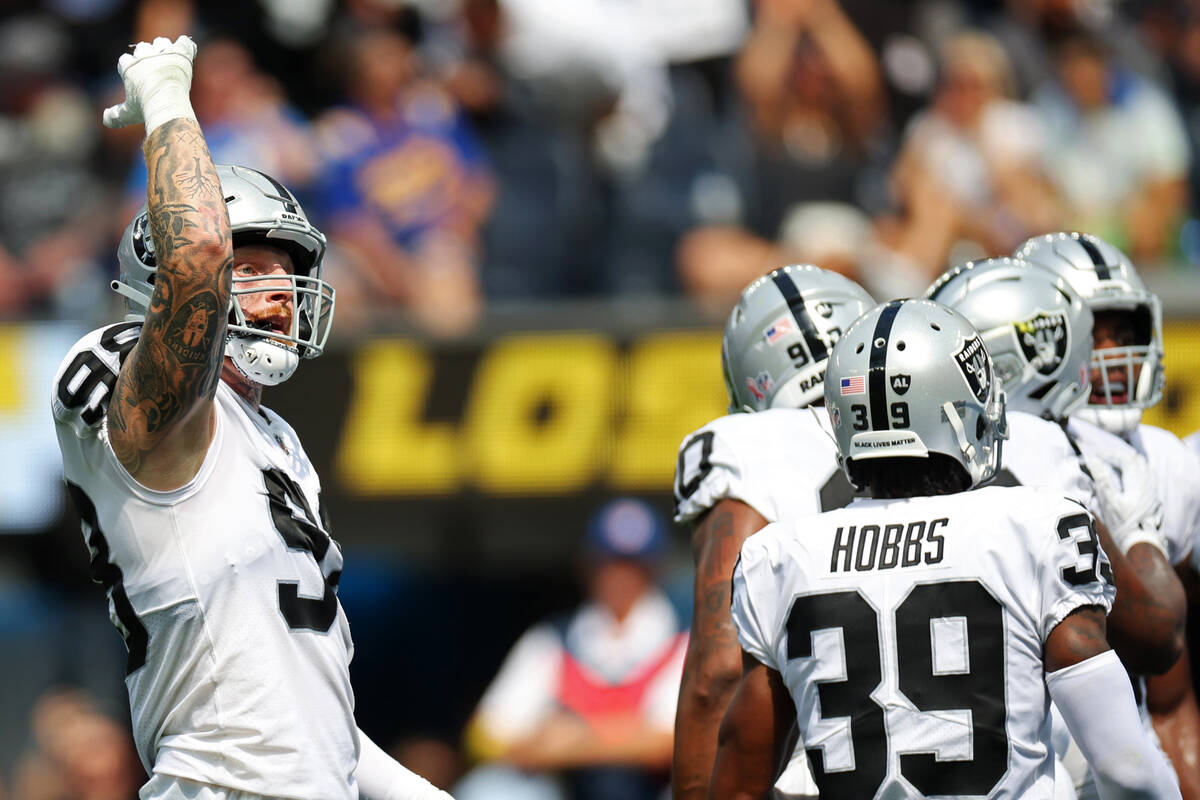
pixel 158 78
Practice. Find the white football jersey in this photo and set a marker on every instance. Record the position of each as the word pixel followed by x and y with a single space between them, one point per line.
pixel 910 635
pixel 224 590
pixel 783 463
pixel 1176 467
pixel 1039 453
pixel 1097 444
pixel 1192 441
pixel 1048 455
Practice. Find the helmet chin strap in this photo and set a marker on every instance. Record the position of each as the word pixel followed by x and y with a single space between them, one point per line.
pixel 960 433
pixel 125 290
pixel 262 360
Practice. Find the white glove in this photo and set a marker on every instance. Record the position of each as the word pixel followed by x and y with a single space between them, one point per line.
pixel 1128 501
pixel 158 78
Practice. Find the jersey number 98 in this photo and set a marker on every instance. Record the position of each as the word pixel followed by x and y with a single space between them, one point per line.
pixel 301 533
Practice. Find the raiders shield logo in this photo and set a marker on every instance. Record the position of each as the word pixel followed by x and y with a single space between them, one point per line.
pixel 1044 339
pixel 901 382
pixel 976 368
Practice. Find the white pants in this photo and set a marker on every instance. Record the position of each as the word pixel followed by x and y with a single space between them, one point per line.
pixel 169 787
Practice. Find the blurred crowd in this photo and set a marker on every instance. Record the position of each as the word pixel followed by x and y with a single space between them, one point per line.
pixel 460 152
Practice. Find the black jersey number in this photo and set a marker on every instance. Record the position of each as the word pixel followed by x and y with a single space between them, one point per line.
pixel 87 371
pixel 979 688
pixel 704 443
pixel 1087 548
pixel 109 575
pixel 301 533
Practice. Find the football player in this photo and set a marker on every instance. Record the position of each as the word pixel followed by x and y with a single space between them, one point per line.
pixel 200 508
pixel 914 636
pixel 1038 333
pixel 746 469
pixel 1127 377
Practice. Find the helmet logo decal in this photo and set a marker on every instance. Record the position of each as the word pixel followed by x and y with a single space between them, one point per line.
pixel 972 360
pixel 1044 339
pixel 853 386
pixel 143 242
pixel 901 382
pixel 779 328
pixel 761 386
pixel 835 416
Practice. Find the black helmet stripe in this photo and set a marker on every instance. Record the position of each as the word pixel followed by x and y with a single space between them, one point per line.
pixel 791 294
pixel 877 374
pixel 289 200
pixel 1102 270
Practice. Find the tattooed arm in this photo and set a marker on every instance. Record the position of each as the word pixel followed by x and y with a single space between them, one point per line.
pixel 713 665
pixel 160 420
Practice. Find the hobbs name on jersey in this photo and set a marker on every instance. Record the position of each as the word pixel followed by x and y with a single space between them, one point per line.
pixel 887 547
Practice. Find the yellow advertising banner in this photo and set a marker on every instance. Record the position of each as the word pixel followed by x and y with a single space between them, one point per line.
pixel 1179 411
pixel 545 413
pixel 555 413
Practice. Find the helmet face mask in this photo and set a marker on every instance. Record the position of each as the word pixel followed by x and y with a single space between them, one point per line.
pixel 912 378
pixel 1109 284
pixel 778 337
pixel 261 211
pixel 1036 328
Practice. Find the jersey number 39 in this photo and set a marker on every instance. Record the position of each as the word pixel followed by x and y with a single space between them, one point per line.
pixel 979 689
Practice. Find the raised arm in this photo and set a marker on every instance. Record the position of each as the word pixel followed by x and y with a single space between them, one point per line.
pixel 713 665
pixel 160 420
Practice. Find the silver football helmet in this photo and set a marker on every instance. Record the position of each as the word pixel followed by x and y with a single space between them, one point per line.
pixel 261 211
pixel 1037 330
pixel 778 336
pixel 910 378
pixel 1107 281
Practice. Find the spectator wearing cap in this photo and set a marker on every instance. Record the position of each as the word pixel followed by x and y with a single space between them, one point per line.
pixel 584 703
